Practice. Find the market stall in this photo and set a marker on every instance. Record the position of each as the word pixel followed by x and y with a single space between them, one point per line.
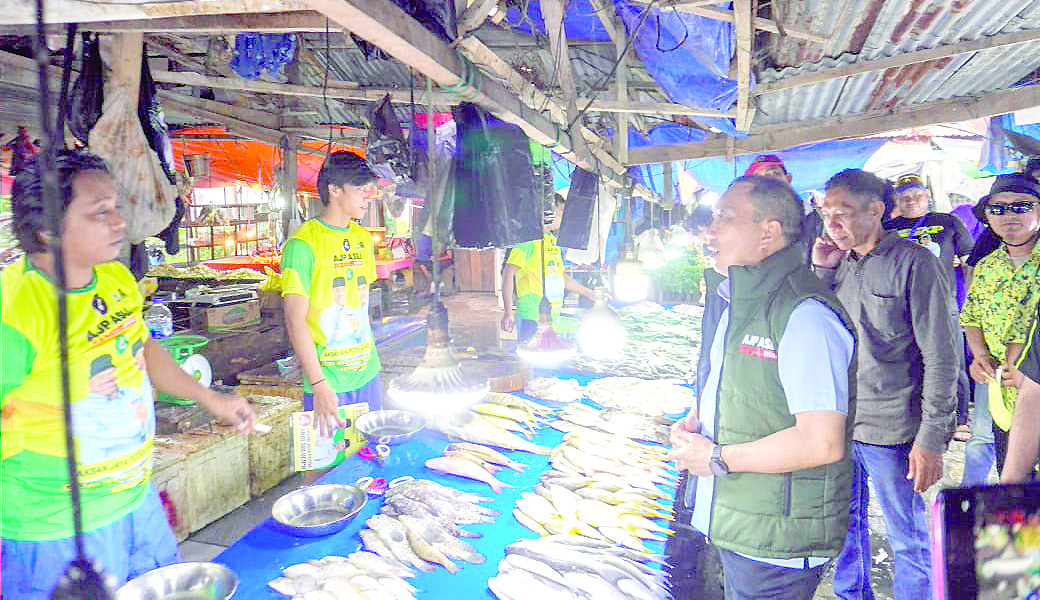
pixel 262 554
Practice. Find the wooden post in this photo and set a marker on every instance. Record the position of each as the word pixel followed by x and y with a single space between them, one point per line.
pixel 126 65
pixel 621 135
pixel 290 220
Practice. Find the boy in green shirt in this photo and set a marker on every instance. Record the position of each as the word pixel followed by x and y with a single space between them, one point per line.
pixel 525 263
pixel 113 363
pixel 327 265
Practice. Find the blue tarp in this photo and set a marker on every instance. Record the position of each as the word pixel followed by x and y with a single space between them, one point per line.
pixel 995 155
pixel 811 165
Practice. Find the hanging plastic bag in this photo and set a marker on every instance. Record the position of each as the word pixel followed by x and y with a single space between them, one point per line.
pixel 259 52
pixel 87 96
pixel 146 198
pixel 576 224
pixel 387 152
pixel 153 122
pixel 497 201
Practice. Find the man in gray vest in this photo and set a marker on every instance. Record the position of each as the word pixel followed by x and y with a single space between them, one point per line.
pixel 766 446
pixel 899 296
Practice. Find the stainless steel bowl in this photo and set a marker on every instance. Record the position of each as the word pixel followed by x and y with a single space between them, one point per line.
pixel 318 509
pixel 389 426
pixel 182 581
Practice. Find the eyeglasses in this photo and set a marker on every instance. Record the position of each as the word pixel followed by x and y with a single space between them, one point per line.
pixel 1019 208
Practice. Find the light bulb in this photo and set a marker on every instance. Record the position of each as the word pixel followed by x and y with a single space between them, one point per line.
pixel 630 281
pixel 601 334
pixel 545 348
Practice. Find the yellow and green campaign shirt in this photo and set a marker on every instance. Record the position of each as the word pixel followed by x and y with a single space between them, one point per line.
pixel 325 264
pixel 113 415
pixel 527 257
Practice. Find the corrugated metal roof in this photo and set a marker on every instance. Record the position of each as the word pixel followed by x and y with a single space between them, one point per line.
pixel 861 30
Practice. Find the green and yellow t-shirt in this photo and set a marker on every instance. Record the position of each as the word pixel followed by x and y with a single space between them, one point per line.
pixel 113 415
pixel 527 257
pixel 333 267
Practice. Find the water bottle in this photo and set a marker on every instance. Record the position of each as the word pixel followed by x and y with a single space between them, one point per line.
pixel 159 320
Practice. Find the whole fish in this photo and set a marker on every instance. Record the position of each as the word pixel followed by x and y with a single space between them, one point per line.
pixel 480 462
pixel 437 488
pixel 444 541
pixel 399 504
pixel 428 551
pixel 465 426
pixel 465 468
pixel 489 454
pixel 395 535
pixel 459 512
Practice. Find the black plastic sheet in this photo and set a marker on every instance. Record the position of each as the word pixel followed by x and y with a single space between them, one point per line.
pixel 387 152
pixel 576 224
pixel 497 201
pixel 87 96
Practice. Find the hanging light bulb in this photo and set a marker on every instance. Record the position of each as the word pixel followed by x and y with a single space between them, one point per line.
pixel 545 348
pixel 631 283
pixel 651 250
pixel 601 333
pixel 438 383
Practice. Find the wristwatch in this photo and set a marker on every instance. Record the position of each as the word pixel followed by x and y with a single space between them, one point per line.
pixel 716 464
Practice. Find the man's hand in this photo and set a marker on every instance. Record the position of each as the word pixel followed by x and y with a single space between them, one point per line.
pixel 681 429
pixel 326 409
pixel 825 253
pixel 926 467
pixel 983 368
pixel 1009 375
pixel 231 408
pixel 508 321
pixel 694 455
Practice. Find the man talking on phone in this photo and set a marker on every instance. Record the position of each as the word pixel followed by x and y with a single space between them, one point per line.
pixel 900 300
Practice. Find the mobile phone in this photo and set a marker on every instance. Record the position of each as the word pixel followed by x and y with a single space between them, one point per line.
pixel 987 543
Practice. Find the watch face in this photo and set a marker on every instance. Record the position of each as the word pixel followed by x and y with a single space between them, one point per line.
pixel 717 467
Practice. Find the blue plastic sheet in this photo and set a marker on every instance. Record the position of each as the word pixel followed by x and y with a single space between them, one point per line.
pixel 995 152
pixel 688 55
pixel 260 555
pixel 259 52
pixel 579 20
pixel 811 165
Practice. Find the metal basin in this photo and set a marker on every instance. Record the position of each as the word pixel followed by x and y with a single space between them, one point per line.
pixel 318 509
pixel 182 581
pixel 389 426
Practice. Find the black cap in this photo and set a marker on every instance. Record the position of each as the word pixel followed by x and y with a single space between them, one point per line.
pixel 1013 182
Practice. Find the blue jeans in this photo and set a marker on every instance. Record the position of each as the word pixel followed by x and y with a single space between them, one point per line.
pixel 371 393
pixel 749 579
pixel 134 544
pixel 979 451
pixel 905 519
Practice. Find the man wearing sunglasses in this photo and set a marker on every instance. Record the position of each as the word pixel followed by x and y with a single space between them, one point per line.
pixel 1003 295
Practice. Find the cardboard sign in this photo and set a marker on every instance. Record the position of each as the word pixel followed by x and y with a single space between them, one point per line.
pixel 311 451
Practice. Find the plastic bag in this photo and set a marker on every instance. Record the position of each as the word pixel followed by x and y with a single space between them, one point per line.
pixel 259 52
pixel 153 122
pixel 576 224
pixel 497 202
pixel 387 152
pixel 147 198
pixel 87 96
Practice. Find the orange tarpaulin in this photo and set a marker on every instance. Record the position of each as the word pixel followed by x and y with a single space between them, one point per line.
pixel 249 162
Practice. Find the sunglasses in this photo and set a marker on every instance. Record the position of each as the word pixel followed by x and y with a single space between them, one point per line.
pixel 1019 208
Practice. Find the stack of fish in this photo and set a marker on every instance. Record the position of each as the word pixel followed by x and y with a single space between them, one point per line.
pixel 661 343
pixel 645 396
pixel 354 577
pixel 554 389
pixel 475 462
pixel 632 425
pixel 494 421
pixel 602 487
pixel 573 567
pixel 419 525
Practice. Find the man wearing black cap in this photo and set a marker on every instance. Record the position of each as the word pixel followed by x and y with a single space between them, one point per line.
pixel 1004 292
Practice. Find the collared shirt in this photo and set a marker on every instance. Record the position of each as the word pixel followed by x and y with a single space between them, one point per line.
pixel 900 300
pixel 814 344
pixel 1002 298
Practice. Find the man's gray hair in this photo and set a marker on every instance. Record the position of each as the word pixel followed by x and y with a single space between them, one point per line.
pixel 774 200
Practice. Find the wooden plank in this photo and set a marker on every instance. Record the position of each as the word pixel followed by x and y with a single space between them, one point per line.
pixel 742 31
pixel 621 135
pixel 653 108
pixel 304 21
pixel 475 16
pixel 251 115
pixel 75 11
pixel 901 60
pixel 552 11
pixel 784 135
pixel 237 126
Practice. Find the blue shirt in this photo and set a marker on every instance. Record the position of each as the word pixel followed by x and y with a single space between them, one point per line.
pixel 815 344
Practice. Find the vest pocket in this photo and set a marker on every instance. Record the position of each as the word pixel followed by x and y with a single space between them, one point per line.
pixel 785 496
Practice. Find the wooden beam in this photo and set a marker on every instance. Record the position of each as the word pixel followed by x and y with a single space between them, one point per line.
pixel 262 118
pixel 475 16
pixel 234 125
pixel 742 30
pixel 621 133
pixel 784 135
pixel 74 11
pixel 552 11
pixel 901 60
pixel 307 21
pixel 529 94
pixel 384 24
pixel 723 14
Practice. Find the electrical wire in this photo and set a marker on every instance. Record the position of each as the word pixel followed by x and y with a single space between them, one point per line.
pixel 686 33
pixel 628 44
